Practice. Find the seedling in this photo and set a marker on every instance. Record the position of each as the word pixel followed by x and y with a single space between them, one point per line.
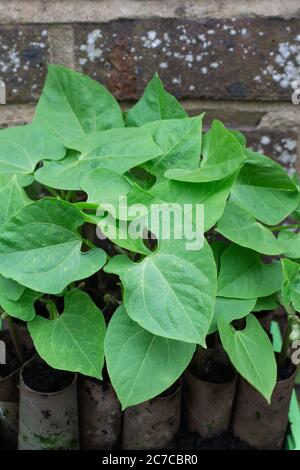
pixel 74 166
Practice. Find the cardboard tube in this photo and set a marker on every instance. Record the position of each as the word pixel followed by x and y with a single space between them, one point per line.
pixel 48 421
pixel 208 405
pixel 261 425
pixel 100 415
pixel 152 424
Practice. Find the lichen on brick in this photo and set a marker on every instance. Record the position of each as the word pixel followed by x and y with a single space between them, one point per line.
pixel 23 59
pixel 244 58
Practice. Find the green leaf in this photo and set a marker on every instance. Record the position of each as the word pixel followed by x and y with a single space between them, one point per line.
pixel 217 248
pixel 119 265
pixel 180 141
pixel 12 199
pixel 251 352
pixel 22 307
pixel 171 292
pixel 240 226
pixel 10 289
pixel 212 195
pixel 265 190
pixel 291 284
pixel 105 187
pixel 23 180
pixel 155 104
pixel 222 156
pixel 239 137
pixel 296 213
pixel 266 303
pixel 140 364
pixel 117 150
pixel 21 148
pixel 41 249
pixel 73 105
pixel 236 308
pixel 75 340
pixel 290 242
pixel 244 276
pixel 117 231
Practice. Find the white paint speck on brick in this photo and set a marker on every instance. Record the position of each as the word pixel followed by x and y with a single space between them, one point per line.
pixel 90 48
pixel 265 140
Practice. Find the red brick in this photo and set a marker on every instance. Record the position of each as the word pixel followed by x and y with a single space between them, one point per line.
pixel 256 58
pixel 23 58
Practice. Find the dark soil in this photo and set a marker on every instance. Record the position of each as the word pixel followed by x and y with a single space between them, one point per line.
pixel 286 371
pixel 43 378
pixel 192 441
pixel 216 373
pixel 213 371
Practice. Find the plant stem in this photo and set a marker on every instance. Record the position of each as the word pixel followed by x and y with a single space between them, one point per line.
pixel 283 355
pixel 52 309
pixel 284 227
pixel 89 243
pixel 52 191
pixel 91 219
pixel 69 196
pixel 86 205
pixel 15 340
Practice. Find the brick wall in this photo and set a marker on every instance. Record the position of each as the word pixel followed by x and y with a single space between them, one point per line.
pixel 235 59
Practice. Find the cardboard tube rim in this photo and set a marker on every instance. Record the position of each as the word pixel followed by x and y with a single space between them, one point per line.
pixel 44 394
pixel 190 373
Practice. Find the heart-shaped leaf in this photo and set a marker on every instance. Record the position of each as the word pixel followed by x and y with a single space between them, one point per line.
pixel 117 150
pixel 41 249
pixel 222 156
pixel 73 105
pixel 21 148
pixel 180 141
pixel 155 104
pixel 212 195
pixel 251 352
pixel 75 340
pixel 140 364
pixel 105 188
pixel 264 189
pixel 171 293
pixel 238 308
pixel 241 227
pixel 243 275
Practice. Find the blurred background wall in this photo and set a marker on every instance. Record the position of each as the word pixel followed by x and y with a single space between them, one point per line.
pixel 237 60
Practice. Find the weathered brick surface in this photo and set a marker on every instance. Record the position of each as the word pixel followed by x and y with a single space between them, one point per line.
pixel 23 59
pixel 255 58
pixel 235 60
pixel 84 11
pixel 15 115
pixel 281 145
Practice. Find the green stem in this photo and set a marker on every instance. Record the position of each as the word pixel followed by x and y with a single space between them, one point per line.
pixel 283 355
pixel 69 196
pixel 52 309
pixel 284 227
pixel 86 205
pixel 52 191
pixel 15 339
pixel 89 243
pixel 91 219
